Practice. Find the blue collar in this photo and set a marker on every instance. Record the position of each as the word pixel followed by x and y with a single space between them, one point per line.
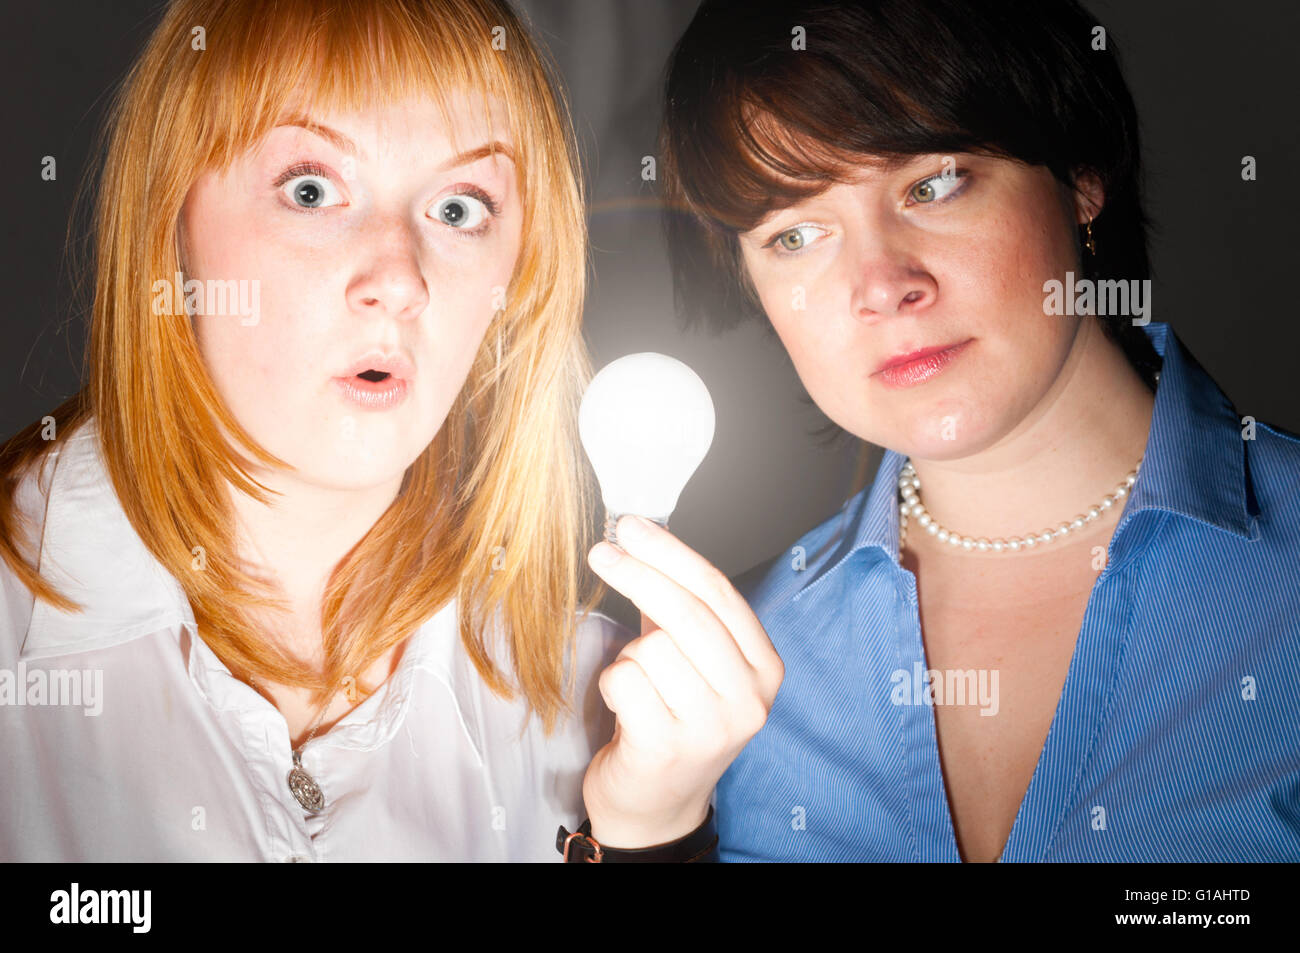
pixel 1195 466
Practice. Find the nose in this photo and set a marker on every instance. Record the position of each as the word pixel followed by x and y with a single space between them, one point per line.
pixel 889 281
pixel 388 282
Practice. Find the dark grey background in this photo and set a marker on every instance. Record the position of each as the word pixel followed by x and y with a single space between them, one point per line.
pixel 1213 82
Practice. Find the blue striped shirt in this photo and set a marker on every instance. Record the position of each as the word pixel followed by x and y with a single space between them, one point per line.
pixel 1177 734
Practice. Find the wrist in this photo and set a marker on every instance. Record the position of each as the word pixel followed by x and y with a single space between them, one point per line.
pixel 698 846
pixel 625 833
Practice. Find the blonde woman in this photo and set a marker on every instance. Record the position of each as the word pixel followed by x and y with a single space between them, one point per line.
pixel 298 574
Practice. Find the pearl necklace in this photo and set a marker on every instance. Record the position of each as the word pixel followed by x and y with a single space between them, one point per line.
pixel 911 507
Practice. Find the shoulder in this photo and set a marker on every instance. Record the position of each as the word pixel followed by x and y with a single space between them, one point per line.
pixel 34 484
pixel 1274 458
pixel 773 581
pixel 30 502
pixel 1273 486
pixel 599 640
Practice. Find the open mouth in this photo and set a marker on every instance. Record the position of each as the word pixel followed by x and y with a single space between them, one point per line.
pixel 372 389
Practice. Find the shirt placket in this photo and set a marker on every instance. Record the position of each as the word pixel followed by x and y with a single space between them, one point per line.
pixel 261 735
pixel 269 759
pixel 927 795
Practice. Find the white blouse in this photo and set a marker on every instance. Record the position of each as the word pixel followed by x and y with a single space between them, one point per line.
pixel 124 738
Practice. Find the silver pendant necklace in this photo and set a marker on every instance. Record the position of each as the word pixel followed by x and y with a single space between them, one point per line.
pixel 301 784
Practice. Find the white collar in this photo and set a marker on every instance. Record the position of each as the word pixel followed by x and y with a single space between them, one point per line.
pixel 92 554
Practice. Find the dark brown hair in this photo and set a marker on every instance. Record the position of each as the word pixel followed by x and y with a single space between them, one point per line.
pixel 753 124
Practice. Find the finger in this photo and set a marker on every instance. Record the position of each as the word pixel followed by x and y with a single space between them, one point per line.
pixel 686 693
pixel 656 546
pixel 698 633
pixel 642 717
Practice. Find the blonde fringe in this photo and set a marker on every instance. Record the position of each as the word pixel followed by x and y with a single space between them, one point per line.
pixel 502 477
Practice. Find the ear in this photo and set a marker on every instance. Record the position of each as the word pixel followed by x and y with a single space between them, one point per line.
pixel 1089 196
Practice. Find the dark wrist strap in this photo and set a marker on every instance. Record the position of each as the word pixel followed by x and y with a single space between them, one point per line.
pixel 699 846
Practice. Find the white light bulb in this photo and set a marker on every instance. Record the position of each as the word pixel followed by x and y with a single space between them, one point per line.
pixel 646 422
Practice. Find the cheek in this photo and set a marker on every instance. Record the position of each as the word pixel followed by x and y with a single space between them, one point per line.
pixel 265 348
pixel 261 357
pixel 993 282
pixel 825 356
pixel 818 337
pixel 1017 252
pixel 259 361
pixel 465 300
pixel 1003 268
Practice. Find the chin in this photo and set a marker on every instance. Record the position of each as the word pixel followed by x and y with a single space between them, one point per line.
pixel 358 464
pixel 937 449
pixel 940 435
pixel 345 478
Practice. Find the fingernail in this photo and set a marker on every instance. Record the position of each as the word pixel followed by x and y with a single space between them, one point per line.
pixel 628 529
pixel 633 527
pixel 603 555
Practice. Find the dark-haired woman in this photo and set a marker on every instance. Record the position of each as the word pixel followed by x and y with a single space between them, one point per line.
pixel 1061 624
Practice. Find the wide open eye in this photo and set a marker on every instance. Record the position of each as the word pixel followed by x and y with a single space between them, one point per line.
pixel 462 211
pixel 310 188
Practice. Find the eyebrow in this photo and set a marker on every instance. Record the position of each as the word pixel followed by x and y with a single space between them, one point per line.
pixel 341 142
pixel 478 152
pixel 332 136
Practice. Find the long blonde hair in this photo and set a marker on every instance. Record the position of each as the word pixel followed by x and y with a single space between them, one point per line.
pixel 497 511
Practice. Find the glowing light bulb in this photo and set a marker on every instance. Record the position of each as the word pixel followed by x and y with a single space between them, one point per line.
pixel 646 423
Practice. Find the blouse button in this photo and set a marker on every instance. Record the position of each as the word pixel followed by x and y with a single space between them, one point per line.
pixel 297 859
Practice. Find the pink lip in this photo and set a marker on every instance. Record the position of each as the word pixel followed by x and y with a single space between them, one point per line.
pixel 914 367
pixel 381 394
pixel 373 395
pixel 391 363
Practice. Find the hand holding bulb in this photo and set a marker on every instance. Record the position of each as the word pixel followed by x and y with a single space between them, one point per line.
pixel 690 692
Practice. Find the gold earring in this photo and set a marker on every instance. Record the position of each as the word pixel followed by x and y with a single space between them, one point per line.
pixel 1088 243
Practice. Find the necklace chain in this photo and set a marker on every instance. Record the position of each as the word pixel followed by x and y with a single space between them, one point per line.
pixel 315 727
pixel 302 785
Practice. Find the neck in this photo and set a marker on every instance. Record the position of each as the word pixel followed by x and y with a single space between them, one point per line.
pixel 297 541
pixel 1086 433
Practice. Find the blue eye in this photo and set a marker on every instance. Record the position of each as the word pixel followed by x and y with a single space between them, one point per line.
pixel 461 211
pixel 467 211
pixel 308 186
pixel 926 193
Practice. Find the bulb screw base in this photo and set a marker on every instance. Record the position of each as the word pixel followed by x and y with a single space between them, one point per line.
pixel 611 526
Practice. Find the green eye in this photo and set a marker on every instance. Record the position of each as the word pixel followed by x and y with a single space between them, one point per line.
pixel 925 192
pixel 791 240
pixel 794 240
